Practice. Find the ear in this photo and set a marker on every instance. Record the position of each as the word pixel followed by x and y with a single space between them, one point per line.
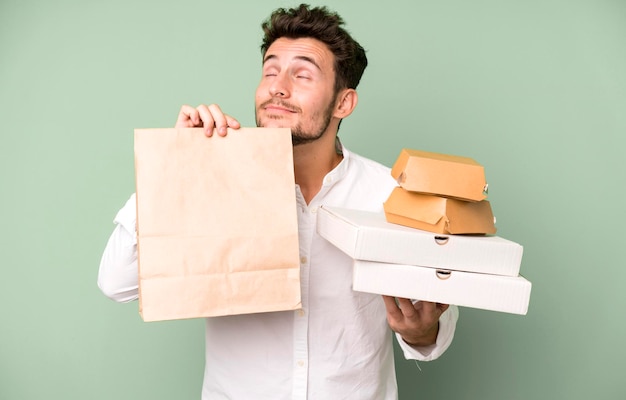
pixel 347 100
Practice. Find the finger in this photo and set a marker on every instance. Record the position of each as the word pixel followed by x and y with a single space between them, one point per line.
pixel 207 118
pixel 221 122
pixel 393 310
pixel 432 311
pixel 232 122
pixel 187 117
pixel 428 307
pixel 407 307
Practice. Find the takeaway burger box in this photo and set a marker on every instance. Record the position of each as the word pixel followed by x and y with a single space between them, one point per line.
pixel 440 174
pixel 365 235
pixel 471 271
pixel 439 214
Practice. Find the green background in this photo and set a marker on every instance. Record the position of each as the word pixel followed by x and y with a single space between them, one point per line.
pixel 534 90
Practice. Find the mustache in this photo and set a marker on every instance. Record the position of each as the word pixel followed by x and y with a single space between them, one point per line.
pixel 280 103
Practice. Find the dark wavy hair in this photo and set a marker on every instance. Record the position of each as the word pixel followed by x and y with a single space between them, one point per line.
pixel 326 26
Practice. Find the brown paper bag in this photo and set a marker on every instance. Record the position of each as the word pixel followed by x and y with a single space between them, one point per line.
pixel 217 226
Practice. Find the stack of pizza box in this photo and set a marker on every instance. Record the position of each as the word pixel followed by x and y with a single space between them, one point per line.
pixel 435 240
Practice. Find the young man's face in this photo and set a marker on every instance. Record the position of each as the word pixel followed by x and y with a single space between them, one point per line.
pixel 297 88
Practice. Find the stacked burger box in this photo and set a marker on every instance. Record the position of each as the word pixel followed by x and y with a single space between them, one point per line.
pixel 435 240
pixel 440 193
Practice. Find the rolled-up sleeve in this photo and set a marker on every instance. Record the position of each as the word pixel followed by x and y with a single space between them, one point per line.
pixel 118 273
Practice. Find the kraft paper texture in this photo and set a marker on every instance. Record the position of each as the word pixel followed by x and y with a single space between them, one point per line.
pixel 216 223
pixel 440 174
pixel 439 214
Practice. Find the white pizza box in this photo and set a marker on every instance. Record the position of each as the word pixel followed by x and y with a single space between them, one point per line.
pixel 366 235
pixel 510 294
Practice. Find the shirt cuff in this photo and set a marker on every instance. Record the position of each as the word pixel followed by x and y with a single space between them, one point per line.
pixel 447 327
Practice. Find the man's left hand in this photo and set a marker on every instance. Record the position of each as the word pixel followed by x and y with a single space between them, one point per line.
pixel 418 323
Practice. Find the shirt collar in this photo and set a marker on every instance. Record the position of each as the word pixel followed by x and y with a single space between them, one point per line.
pixel 340 171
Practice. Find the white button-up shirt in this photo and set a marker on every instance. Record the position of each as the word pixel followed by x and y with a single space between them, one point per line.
pixel 338 346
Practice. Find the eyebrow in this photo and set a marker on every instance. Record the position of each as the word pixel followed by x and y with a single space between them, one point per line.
pixel 302 58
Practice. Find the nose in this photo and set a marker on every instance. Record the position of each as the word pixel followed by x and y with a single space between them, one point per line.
pixel 279 86
pixel 278 93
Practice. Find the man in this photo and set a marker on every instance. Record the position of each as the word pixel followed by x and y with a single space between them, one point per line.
pixel 339 346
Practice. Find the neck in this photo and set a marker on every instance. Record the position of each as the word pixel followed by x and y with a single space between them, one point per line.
pixel 312 161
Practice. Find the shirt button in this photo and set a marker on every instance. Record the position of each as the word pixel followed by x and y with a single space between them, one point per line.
pixel 301 313
pixel 314 210
pixel 303 260
pixel 300 363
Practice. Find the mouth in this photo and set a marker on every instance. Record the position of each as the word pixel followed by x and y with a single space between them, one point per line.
pixel 278 108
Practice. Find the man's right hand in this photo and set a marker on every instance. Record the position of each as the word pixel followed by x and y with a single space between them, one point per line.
pixel 209 117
